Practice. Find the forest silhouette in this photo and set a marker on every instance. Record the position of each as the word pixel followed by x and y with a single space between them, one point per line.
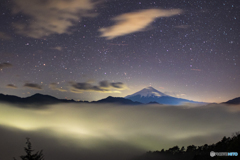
pixel 192 152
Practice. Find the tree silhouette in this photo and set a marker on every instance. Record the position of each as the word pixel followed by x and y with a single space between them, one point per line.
pixel 182 149
pixel 191 148
pixel 174 150
pixel 29 155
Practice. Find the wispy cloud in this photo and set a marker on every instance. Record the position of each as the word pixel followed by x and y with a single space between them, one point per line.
pixel 33 86
pixel 114 85
pixel 57 48
pixel 53 86
pixel 198 70
pixel 183 26
pixel 50 16
pixel 104 86
pixel 11 86
pixel 5 65
pixel 4 36
pixel 176 94
pixel 135 21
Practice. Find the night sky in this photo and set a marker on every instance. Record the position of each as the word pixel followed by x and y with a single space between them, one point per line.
pixel 88 50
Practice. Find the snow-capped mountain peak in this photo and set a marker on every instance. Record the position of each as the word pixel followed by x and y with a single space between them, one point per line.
pixel 148 92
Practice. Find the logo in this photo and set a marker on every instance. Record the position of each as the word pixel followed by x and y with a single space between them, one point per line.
pixel 212 154
pixel 232 153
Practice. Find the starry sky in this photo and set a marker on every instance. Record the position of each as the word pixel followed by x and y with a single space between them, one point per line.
pixel 88 50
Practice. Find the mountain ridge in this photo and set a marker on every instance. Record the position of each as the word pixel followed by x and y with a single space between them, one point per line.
pixel 41 99
pixel 119 100
pixel 234 101
pixel 154 98
pixel 37 98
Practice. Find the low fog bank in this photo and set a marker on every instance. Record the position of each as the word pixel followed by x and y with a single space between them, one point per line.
pixel 104 131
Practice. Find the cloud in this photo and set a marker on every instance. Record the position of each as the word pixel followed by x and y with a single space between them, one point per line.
pixel 175 94
pixel 53 86
pixel 115 85
pixel 135 21
pixel 81 87
pixel 118 85
pixel 33 86
pixel 11 86
pixel 104 86
pixel 4 36
pixel 57 48
pixel 183 26
pixel 90 131
pixel 5 65
pixel 198 70
pixel 48 17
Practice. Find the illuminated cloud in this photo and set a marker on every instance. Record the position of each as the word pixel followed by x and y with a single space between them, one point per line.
pixel 50 16
pixel 176 94
pixel 198 70
pixel 83 87
pixel 33 86
pixel 11 86
pixel 114 85
pixel 5 65
pixel 104 86
pixel 4 36
pixel 79 128
pixel 57 48
pixel 53 86
pixel 135 21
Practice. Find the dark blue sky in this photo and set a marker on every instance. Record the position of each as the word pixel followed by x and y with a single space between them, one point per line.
pixel 88 50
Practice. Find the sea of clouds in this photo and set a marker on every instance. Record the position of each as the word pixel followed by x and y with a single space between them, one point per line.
pixel 107 131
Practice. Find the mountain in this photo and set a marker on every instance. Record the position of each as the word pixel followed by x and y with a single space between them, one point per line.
pixel 34 99
pixel 9 98
pixel 150 94
pixel 40 99
pixel 147 95
pixel 118 100
pixel 153 102
pixel 233 101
